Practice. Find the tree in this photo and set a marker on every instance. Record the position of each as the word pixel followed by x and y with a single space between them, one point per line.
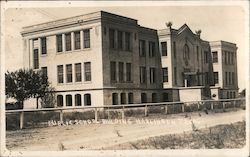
pixel 24 84
pixel 49 99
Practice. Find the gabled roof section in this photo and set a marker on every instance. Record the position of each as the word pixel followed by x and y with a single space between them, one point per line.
pixel 183 28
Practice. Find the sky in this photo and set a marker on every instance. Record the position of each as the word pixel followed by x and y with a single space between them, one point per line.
pixel 216 22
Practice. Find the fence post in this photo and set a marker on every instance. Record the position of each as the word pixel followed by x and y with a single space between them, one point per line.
pixel 166 109
pixel 198 106
pixel 234 103
pixel 212 105
pixel 61 116
pixel 223 104
pixel 146 110
pixel 122 112
pixel 21 119
pixel 183 107
pixel 108 113
pixel 96 115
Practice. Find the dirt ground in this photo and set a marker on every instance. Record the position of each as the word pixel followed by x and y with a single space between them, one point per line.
pixel 103 136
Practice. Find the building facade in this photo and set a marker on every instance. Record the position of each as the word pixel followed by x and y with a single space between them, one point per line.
pixel 224 56
pixel 106 59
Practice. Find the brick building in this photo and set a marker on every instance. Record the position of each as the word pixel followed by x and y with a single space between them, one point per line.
pixel 102 58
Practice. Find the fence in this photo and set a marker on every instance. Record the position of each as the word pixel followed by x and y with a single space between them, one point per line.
pixel 183 107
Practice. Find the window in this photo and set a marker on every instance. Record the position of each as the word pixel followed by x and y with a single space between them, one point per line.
pixel 114 99
pixel 130 98
pixel 164 51
pixel 60 73
pixel 142 48
pixel 233 78
pixel 206 56
pixel 44 45
pixel 120 41
pixel 87 99
pixel 197 53
pixel 59 43
pixel 68 100
pixel 152 75
pixel 87 69
pixel 35 43
pixel 44 71
pixel 78 72
pixel 77 40
pixel 229 57
pixel 111 38
pixel 36 59
pixel 215 57
pixel 154 97
pixel 151 49
pixel 226 78
pixel 86 38
pixel 143 98
pixel 123 98
pixel 233 57
pixel 175 75
pixel 216 78
pixel 206 78
pixel 113 71
pixel 186 52
pixel 165 97
pixel 68 41
pixel 226 57
pixel 121 72
pixel 143 74
pixel 69 73
pixel 128 72
pixel 127 41
pixel 59 100
pixel 228 95
pixel 78 100
pixel 165 74
pixel 174 47
pixel 229 79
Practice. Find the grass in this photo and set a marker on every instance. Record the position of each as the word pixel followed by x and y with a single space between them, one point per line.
pixel 218 137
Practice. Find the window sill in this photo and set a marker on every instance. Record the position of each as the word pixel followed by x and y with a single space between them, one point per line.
pixel 87 82
pixel 44 55
pixel 79 82
pixel 72 51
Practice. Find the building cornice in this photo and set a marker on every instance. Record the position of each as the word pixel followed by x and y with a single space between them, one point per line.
pixel 59 24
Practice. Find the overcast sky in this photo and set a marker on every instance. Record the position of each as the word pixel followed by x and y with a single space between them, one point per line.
pixel 216 22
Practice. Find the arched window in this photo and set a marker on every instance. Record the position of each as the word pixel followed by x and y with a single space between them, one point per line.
pixel 143 97
pixel 123 98
pixel 114 98
pixel 130 98
pixel 87 99
pixel 78 100
pixel 154 97
pixel 68 100
pixel 59 100
pixel 186 52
